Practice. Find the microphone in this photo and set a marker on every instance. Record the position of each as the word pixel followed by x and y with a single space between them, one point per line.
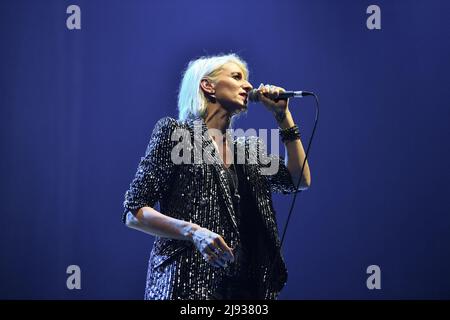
pixel 253 95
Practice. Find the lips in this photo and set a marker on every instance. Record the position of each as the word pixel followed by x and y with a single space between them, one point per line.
pixel 244 95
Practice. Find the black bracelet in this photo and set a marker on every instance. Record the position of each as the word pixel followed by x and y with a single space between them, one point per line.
pixel 290 134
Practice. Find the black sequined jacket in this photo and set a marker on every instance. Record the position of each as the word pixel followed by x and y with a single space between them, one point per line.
pixel 199 193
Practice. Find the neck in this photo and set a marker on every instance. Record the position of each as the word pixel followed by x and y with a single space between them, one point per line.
pixel 217 118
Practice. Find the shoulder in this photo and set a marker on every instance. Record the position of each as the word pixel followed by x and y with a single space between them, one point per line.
pixel 166 123
pixel 164 127
pixel 162 133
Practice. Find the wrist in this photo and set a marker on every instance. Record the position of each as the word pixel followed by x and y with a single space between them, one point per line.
pixel 280 116
pixel 188 230
pixel 289 134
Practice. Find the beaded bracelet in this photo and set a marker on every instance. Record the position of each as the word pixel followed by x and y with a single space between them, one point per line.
pixel 290 134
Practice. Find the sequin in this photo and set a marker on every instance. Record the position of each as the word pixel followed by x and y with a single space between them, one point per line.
pixel 200 193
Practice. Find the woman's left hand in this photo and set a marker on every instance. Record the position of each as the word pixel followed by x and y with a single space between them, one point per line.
pixel 268 94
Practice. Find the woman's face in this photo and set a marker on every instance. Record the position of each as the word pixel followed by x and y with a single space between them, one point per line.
pixel 231 88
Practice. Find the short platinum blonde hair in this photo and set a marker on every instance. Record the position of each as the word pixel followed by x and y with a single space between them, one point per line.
pixel 192 101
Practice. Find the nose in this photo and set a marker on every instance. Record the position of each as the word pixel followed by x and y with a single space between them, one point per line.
pixel 247 86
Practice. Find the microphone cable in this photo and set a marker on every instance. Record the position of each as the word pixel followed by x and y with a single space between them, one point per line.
pixel 272 264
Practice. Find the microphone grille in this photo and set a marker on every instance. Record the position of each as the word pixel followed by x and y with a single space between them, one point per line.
pixel 253 95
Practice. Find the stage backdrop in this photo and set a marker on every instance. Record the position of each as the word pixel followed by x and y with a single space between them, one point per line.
pixel 82 86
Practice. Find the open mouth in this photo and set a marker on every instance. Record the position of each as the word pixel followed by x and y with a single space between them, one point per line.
pixel 244 95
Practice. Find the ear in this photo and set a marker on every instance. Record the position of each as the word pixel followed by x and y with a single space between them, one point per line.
pixel 207 86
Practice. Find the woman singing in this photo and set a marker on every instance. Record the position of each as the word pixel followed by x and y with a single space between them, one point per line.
pixel 216 232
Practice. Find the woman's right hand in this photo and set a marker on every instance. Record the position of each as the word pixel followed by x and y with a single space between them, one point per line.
pixel 212 247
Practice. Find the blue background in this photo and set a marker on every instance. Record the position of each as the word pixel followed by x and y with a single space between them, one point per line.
pixel 78 107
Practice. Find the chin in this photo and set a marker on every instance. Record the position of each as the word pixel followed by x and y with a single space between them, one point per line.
pixel 237 107
pixel 242 108
pixel 243 104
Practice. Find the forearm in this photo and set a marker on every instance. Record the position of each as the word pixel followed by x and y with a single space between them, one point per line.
pixel 211 245
pixel 152 222
pixel 295 154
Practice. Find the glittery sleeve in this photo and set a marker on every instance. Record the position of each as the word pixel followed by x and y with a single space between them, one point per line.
pixel 154 169
pixel 280 180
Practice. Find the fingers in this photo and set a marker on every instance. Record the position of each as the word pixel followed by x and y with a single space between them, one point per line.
pixel 213 248
pixel 215 258
pixel 217 255
pixel 269 91
pixel 221 249
pixel 228 253
pixel 212 258
pixel 262 94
